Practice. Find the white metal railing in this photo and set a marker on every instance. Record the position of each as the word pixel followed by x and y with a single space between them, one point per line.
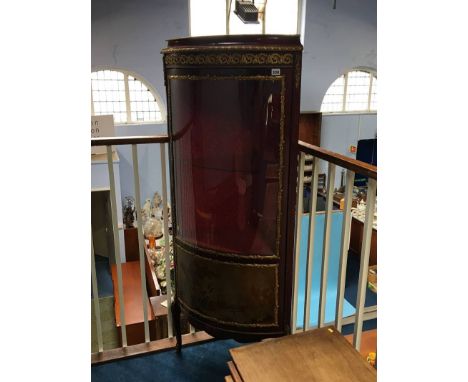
pixel 306 151
pixel 115 230
pixel 352 167
pixel 133 141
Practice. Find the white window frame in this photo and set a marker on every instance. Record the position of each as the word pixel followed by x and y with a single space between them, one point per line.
pixel 343 110
pixel 154 92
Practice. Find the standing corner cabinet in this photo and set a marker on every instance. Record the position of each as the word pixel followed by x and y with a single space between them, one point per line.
pixel 233 112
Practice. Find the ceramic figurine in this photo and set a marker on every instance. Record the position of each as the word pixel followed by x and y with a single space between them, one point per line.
pixel 157 200
pixel 157 213
pixel 361 206
pixel 146 210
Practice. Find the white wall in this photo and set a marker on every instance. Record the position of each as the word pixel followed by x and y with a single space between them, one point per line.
pixel 335 42
pixel 130 35
pixel 339 132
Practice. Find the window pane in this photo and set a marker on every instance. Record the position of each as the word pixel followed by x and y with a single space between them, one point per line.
pixel 373 102
pixel 333 100
pixel 108 89
pixel 357 92
pixel 109 94
pixel 141 100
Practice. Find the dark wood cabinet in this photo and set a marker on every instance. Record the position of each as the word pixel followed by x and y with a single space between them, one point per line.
pixel 310 126
pixel 233 112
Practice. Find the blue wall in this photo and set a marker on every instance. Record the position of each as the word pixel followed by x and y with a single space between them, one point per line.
pixel 131 34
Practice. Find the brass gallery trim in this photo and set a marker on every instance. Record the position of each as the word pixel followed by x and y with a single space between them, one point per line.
pixel 275 266
pixel 229 59
pixel 298 71
pixel 186 245
pixel 281 137
pixel 268 48
pixel 230 323
pixel 197 251
pixel 223 78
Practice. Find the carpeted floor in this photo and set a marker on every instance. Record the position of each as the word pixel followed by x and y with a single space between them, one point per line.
pixel 352 278
pixel 103 276
pixel 204 363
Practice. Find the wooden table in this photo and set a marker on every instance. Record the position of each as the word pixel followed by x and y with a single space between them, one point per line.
pixel 160 316
pixel 321 355
pixel 133 304
pixel 355 240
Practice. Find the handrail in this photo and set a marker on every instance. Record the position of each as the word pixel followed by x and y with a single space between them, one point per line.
pixel 134 140
pixel 357 166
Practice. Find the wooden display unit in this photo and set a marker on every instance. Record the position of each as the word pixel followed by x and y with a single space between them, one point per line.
pixel 233 114
pixel 355 241
pixel 310 127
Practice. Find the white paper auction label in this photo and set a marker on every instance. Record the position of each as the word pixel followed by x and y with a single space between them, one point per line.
pixel 101 126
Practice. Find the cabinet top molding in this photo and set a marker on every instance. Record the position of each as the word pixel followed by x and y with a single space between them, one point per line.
pixel 239 42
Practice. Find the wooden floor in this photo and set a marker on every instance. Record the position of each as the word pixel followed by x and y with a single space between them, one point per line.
pixel 368 342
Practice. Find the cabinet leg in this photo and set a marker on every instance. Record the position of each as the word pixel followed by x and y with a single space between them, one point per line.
pixel 175 308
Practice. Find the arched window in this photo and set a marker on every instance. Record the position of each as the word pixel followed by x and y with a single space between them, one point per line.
pixel 128 98
pixel 355 91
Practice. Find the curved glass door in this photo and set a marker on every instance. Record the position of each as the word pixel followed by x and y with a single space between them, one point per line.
pixel 227 138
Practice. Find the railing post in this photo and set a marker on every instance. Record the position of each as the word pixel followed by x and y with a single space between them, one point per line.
pixel 299 212
pixel 115 228
pixel 326 243
pixel 311 242
pixel 364 266
pixel 141 240
pixel 345 233
pixel 97 309
pixel 166 241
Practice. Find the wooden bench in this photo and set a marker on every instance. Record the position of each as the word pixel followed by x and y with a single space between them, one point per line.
pixel 133 304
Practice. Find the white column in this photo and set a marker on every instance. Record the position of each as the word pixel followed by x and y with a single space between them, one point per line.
pixel 364 266
pixel 345 232
pixel 326 243
pixel 141 240
pixel 115 228
pixel 299 213
pixel 166 240
pixel 311 242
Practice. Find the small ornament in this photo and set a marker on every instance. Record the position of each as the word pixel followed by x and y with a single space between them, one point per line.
pixel 157 200
pixel 146 210
pixel 129 211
